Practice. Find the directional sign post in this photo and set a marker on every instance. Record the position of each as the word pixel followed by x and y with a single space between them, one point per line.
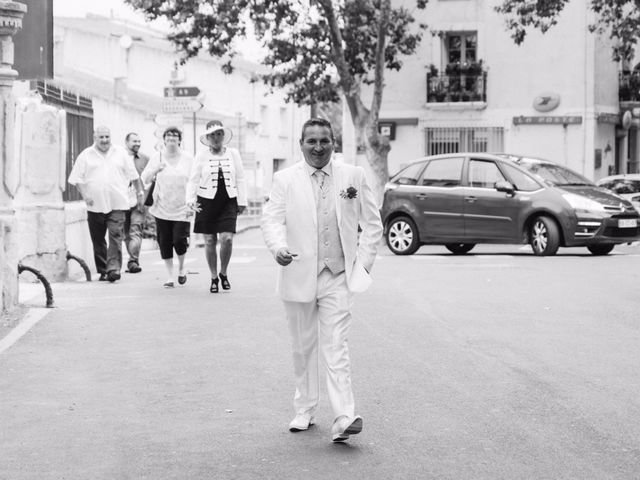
pixel 180 91
pixel 181 99
pixel 180 105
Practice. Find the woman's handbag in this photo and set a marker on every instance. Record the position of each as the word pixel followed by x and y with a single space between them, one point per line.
pixel 149 200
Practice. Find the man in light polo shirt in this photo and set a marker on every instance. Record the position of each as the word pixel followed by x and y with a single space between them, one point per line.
pixel 102 174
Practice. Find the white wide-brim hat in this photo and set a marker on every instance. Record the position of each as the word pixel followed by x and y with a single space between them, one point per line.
pixel 228 134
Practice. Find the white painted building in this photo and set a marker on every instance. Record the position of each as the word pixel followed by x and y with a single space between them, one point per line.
pixel 555 96
pixel 124 68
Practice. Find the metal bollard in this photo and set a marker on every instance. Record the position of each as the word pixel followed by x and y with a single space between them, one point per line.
pixel 43 280
pixel 83 264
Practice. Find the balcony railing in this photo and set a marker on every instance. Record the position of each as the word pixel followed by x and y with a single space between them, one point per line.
pixel 629 86
pixel 457 88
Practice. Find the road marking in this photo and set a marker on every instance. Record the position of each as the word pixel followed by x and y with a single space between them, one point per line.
pixel 32 317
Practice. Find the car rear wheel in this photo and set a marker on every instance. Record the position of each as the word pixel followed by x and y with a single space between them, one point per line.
pixel 402 236
pixel 601 248
pixel 459 248
pixel 544 236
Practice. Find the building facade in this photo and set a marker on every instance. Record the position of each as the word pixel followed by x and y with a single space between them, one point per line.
pixel 132 74
pixel 471 88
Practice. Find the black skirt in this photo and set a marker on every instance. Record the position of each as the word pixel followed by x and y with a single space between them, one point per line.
pixel 218 214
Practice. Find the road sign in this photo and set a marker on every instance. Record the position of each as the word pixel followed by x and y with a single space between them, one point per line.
pixel 179 91
pixel 180 105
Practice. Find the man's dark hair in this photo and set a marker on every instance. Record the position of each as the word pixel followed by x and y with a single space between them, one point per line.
pixel 173 131
pixel 317 122
pixel 128 137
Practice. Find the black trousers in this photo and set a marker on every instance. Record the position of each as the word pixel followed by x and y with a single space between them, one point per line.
pixel 108 258
pixel 172 235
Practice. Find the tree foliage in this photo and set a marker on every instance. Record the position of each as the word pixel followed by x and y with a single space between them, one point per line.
pixel 296 36
pixel 315 50
pixel 620 19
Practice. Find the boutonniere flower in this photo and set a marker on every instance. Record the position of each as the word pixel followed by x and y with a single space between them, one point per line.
pixel 351 192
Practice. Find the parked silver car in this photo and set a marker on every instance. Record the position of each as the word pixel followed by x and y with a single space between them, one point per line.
pixel 461 199
pixel 625 185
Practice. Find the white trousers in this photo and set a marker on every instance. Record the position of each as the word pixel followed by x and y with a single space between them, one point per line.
pixel 319 332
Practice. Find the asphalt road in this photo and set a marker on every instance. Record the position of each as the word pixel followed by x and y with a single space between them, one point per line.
pixel 493 365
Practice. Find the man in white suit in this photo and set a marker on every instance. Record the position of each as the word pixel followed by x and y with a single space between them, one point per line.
pixel 310 224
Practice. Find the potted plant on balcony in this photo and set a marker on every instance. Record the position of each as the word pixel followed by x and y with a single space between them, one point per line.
pixel 440 92
pixel 472 68
pixel 452 68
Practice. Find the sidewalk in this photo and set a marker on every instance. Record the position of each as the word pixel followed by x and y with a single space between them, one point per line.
pixel 32 294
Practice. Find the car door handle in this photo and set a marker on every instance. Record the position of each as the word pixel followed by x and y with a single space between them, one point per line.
pixel 470 199
pixel 421 196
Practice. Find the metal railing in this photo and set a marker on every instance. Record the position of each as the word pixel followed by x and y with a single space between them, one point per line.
pixel 457 88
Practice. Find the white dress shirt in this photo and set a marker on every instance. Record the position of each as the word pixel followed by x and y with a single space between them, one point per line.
pixel 106 178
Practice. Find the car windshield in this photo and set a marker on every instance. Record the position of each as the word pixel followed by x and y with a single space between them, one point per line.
pixel 552 173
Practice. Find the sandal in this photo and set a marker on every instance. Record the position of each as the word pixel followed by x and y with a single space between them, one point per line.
pixel 224 281
pixel 168 284
pixel 214 285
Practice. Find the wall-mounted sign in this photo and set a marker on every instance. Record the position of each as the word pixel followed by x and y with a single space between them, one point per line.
pixel 387 129
pixel 548 120
pixel 547 101
pixel 609 118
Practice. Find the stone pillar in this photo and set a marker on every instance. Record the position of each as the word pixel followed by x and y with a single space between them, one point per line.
pixel 40 133
pixel 11 14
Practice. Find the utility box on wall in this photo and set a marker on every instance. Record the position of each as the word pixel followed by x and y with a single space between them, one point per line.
pixel 33 53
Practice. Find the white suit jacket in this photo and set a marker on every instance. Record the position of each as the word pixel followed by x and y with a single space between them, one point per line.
pixel 289 220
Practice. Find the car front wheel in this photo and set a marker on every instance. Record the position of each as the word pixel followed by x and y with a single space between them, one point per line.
pixel 402 236
pixel 459 248
pixel 600 249
pixel 544 236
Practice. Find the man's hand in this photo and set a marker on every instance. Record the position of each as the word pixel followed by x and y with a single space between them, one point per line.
pixel 88 201
pixel 284 257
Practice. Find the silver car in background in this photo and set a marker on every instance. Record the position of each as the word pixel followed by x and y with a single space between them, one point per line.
pixel 625 185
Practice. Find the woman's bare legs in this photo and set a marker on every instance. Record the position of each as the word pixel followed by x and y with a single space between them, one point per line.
pixel 168 263
pixel 226 246
pixel 181 264
pixel 210 241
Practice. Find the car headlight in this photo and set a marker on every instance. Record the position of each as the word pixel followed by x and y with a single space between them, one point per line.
pixel 584 204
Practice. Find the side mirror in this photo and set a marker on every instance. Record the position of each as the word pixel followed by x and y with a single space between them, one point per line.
pixel 506 187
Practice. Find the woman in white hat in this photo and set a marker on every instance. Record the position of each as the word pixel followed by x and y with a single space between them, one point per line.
pixel 217 193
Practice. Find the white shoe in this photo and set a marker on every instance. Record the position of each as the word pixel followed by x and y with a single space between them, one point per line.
pixel 301 422
pixel 345 426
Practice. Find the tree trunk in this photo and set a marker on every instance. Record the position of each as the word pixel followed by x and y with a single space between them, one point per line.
pixel 377 150
pixel 375 145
